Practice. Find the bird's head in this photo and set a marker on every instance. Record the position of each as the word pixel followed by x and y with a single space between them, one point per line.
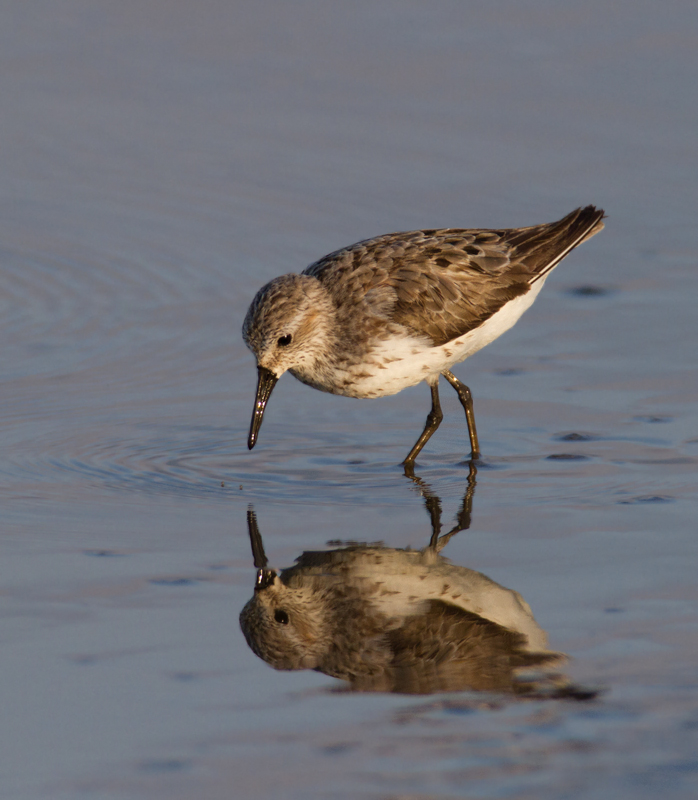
pixel 286 626
pixel 286 327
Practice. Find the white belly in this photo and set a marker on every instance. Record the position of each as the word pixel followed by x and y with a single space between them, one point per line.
pixel 407 580
pixel 399 362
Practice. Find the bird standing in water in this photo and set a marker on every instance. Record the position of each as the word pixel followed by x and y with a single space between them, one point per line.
pixel 390 312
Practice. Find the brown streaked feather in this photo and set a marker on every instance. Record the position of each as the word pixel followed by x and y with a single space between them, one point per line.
pixel 444 283
pixel 446 648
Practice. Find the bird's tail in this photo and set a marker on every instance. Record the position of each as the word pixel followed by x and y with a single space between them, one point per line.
pixel 543 247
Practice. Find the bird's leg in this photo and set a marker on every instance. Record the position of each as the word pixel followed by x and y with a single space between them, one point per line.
pixel 433 505
pixel 434 418
pixel 464 515
pixel 466 398
pixel 431 501
pixel 466 509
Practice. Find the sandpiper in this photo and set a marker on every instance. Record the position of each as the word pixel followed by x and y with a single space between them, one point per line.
pixel 387 313
pixel 387 619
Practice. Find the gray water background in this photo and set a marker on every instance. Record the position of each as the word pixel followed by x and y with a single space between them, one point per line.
pixel 162 160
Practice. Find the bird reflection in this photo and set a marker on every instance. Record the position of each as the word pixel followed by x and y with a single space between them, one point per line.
pixel 399 620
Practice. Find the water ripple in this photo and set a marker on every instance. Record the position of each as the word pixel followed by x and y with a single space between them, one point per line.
pixel 211 463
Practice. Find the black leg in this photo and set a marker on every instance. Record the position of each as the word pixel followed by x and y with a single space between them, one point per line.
pixel 434 418
pixel 466 399
pixel 432 503
pixel 466 509
pixel 433 506
pixel 464 515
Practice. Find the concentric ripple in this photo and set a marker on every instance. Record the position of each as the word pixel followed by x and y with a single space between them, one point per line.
pixel 206 463
pixel 212 463
pixel 107 353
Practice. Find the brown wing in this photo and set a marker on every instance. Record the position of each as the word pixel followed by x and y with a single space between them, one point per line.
pixel 444 283
pixel 447 648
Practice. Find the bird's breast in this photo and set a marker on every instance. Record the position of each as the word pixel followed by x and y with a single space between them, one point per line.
pixel 391 363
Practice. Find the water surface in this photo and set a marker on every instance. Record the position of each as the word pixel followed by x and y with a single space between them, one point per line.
pixel 161 161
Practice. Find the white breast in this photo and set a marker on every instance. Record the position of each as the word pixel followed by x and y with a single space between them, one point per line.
pixel 402 361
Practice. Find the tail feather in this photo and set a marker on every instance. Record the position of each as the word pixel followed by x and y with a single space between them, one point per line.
pixel 542 247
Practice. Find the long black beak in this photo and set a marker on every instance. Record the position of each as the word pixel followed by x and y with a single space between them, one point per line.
pixel 265 576
pixel 258 554
pixel 265 383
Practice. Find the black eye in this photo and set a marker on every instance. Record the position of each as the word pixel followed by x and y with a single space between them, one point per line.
pixel 284 340
pixel 281 616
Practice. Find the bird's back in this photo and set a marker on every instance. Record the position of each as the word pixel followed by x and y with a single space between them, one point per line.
pixel 443 283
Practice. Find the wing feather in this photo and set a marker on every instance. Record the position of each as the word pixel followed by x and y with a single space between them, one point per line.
pixel 446 648
pixel 444 283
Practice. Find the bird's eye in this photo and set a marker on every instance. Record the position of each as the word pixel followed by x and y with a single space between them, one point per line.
pixel 285 340
pixel 281 616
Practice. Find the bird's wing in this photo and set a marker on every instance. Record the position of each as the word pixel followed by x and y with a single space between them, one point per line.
pixel 444 283
pixel 456 649
pixel 444 632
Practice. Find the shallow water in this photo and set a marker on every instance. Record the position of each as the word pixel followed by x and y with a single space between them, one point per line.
pixel 163 160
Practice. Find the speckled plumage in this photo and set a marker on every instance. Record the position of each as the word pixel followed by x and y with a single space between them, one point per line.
pixel 386 313
pixel 387 619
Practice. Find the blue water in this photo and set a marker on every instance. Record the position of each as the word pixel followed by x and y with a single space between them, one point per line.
pixel 160 162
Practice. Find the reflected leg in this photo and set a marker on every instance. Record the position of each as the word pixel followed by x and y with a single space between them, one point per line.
pixel 466 509
pixel 434 418
pixel 433 505
pixel 466 398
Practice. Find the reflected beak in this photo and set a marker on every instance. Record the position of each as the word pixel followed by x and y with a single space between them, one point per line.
pixel 265 578
pixel 265 383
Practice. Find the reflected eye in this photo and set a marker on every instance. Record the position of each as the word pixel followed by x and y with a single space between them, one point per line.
pixel 281 617
pixel 284 340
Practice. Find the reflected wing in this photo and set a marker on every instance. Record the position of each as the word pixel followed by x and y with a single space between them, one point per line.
pixel 447 649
